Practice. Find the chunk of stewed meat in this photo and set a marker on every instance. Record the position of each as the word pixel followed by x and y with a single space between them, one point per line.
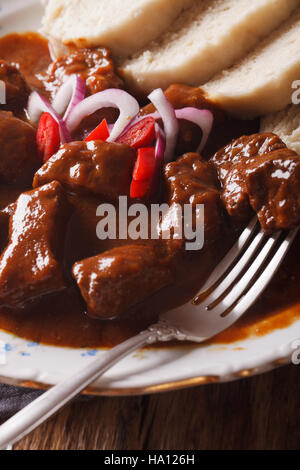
pixel 94 66
pixel 30 264
pixel 273 184
pixel 18 151
pixel 117 280
pixel 192 180
pixel 231 162
pixel 97 167
pixel 16 88
pixel 259 172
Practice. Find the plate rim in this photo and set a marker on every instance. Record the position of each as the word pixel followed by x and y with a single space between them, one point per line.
pixel 165 387
pixel 279 356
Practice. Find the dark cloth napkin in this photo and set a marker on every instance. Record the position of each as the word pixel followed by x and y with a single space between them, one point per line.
pixel 13 399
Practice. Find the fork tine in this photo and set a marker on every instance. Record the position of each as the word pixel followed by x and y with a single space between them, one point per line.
pixel 228 261
pixel 211 321
pixel 267 275
pixel 198 323
pixel 221 289
pixel 249 275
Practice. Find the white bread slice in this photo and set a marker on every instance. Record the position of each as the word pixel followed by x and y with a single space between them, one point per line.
pixel 286 124
pixel 206 38
pixel 122 25
pixel 262 82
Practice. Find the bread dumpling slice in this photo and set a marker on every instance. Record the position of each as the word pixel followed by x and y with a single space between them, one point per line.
pixel 262 82
pixel 286 124
pixel 123 26
pixel 206 38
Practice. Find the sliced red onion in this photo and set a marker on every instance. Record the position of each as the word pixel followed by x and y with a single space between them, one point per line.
pixel 69 95
pixel 202 117
pixel 37 105
pixel 168 116
pixel 160 146
pixel 57 49
pixel 51 52
pixel 112 98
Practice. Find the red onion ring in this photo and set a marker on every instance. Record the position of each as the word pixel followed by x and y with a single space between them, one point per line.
pixel 160 146
pixel 37 105
pixel 168 116
pixel 112 98
pixel 68 96
pixel 202 117
pixel 51 52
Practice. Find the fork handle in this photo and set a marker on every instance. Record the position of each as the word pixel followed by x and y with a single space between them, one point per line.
pixel 54 399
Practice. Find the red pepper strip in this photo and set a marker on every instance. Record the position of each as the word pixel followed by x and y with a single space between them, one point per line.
pixel 48 137
pixel 139 189
pixel 144 174
pixel 139 135
pixel 100 133
pixel 145 165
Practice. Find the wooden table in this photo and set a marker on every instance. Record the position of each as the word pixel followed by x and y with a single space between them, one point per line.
pixel 258 413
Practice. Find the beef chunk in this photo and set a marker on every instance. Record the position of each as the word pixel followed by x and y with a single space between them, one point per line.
pixel 17 90
pixel 273 185
pixel 94 66
pixel 259 172
pixel 193 180
pixel 18 152
pixel 29 266
pixel 97 167
pixel 231 162
pixel 118 279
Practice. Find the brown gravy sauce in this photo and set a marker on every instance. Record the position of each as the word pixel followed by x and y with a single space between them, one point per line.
pixel 60 320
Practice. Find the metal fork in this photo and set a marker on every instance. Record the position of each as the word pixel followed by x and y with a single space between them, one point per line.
pixel 230 291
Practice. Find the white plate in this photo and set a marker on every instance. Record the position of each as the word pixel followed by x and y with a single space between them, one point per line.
pixel 146 371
